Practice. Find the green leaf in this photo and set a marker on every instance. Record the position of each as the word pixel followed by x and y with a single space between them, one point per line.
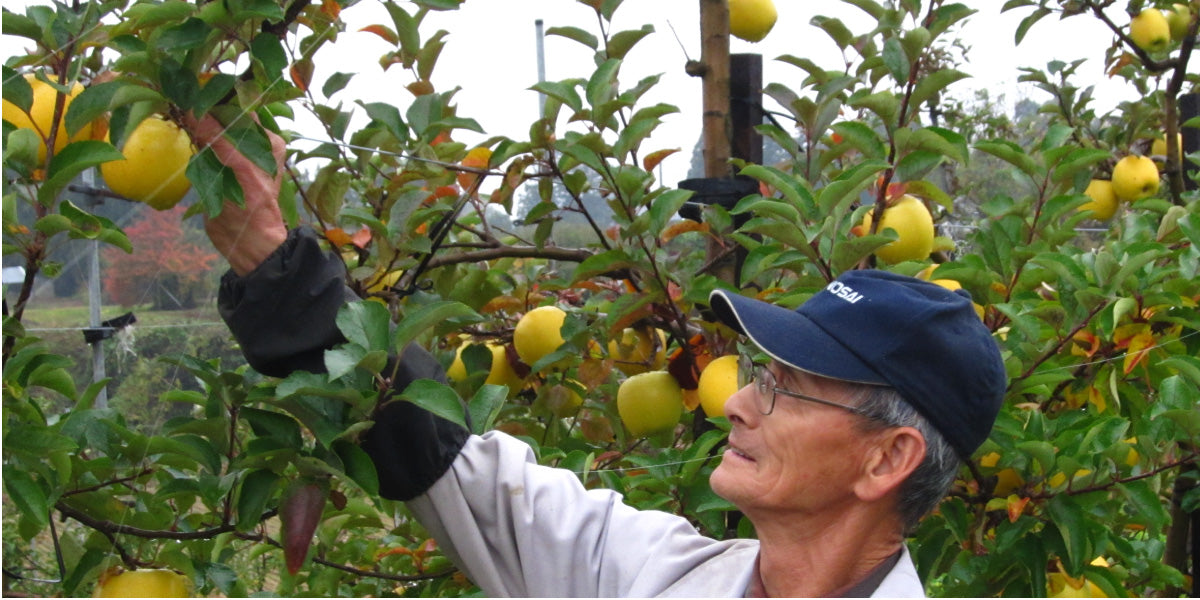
pixel 214 90
pixel 388 116
pixel 1144 505
pixel 485 406
pixel 836 30
pixel 187 35
pixel 358 466
pixel 602 87
pixel 336 83
pixel 436 398
pixel 268 51
pixel 885 105
pixel 257 489
pixel 53 378
pixel 1028 22
pixel 929 86
pixel 213 182
pixel 665 206
pixel 895 59
pixel 16 90
pixel 406 30
pixel 366 323
pixel 1011 154
pixel 1071 520
pixel 563 91
pixel 603 263
pixel 31 499
pixel 916 165
pixel 416 322
pixel 73 160
pixel 21 26
pixel 271 424
pixel 251 140
pixel 621 42
pixel 861 137
pixel 576 34
pixel 178 83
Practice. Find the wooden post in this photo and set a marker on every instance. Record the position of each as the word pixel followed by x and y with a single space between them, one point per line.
pixel 714 54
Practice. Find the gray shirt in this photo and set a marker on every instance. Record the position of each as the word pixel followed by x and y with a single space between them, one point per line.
pixel 517 528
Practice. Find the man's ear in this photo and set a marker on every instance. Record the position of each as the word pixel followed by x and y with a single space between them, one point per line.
pixel 896 453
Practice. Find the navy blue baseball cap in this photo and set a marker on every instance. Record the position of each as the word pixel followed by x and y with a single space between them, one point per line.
pixel 881 328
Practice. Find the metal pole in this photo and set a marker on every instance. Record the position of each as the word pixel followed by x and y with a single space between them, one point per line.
pixel 98 369
pixel 541 64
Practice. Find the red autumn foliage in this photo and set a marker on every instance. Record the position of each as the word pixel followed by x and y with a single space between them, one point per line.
pixel 168 268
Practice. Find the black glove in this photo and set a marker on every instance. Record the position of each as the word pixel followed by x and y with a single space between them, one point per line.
pixel 284 315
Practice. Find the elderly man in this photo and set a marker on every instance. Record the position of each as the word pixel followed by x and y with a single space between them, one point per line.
pixel 845 435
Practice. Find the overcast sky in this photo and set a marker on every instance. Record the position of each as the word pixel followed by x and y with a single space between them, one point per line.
pixel 491 55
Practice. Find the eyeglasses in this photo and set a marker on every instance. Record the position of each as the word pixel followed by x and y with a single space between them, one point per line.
pixel 765 389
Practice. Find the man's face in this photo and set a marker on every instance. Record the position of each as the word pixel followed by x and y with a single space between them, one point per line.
pixel 801 458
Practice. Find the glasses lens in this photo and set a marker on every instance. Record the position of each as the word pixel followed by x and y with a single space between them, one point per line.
pixel 745 372
pixel 764 386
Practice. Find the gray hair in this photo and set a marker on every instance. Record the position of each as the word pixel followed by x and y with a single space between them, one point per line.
pixel 931 480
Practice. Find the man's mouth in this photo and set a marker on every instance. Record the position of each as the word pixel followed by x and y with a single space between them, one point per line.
pixel 739 453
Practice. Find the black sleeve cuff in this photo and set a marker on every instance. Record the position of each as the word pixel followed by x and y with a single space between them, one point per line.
pixel 284 313
pixel 410 446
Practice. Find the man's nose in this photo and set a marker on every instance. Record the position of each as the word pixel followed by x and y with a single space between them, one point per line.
pixel 739 408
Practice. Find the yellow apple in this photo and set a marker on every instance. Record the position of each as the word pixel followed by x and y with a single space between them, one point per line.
pixel 1159 146
pixel 144 583
pixel 650 403
pixel 500 373
pixel 1103 202
pixel 638 350
pixel 1134 178
pixel 153 170
pixel 751 20
pixel 538 333
pixel 40 117
pixel 1178 19
pixel 1150 31
pixel 913 223
pixel 718 381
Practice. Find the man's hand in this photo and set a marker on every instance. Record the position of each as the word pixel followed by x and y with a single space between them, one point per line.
pixel 244 236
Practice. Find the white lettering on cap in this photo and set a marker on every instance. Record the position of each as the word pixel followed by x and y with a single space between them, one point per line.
pixel 843 291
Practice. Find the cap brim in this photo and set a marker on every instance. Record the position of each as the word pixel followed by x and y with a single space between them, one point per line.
pixel 791 338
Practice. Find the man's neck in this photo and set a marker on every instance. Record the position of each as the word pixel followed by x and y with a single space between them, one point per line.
pixel 823 559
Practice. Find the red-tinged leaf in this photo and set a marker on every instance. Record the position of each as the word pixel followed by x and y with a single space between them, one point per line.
pixel 301 72
pixel 331 8
pixel 654 158
pixel 300 512
pixel 687 361
pixel 895 191
pixel 338 236
pixel 392 552
pixel 384 32
pixel 1123 335
pixel 361 238
pixel 1085 343
pixel 674 292
pixel 613 232
pixel 420 87
pixel 681 227
pixel 1016 506
pixel 1121 62
pixel 1139 348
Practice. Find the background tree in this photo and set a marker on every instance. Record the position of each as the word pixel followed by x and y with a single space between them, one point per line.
pixel 169 267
